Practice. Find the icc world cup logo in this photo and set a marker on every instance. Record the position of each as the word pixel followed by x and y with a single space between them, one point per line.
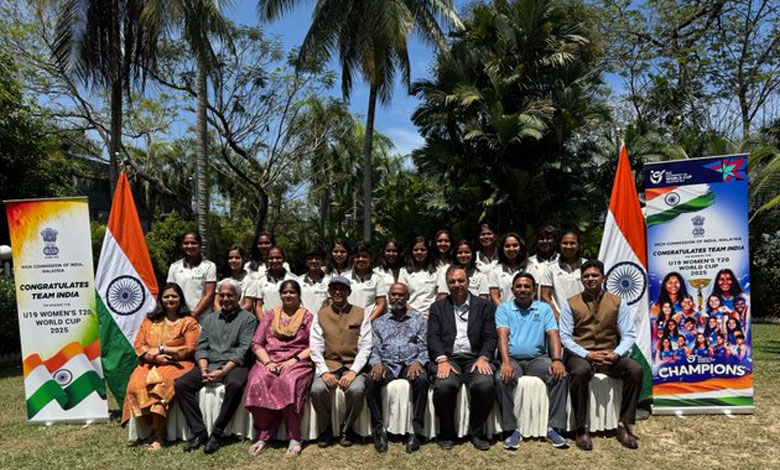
pixel 49 236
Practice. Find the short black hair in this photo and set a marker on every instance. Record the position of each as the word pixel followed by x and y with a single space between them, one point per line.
pixel 315 251
pixel 547 230
pixel 455 267
pixel 526 275
pixel 592 263
pixel 364 246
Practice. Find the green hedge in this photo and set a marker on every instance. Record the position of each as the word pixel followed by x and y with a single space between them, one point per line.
pixel 9 317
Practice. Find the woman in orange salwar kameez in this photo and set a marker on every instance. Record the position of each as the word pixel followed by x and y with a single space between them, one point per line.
pixel 165 344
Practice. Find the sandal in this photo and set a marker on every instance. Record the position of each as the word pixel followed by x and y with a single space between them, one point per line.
pixel 257 448
pixel 294 448
pixel 155 445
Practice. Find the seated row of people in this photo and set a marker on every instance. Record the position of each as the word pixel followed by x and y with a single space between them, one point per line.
pixel 297 353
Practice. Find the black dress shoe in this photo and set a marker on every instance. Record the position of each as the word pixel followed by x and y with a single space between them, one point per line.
pixel 480 442
pixel 626 438
pixel 446 444
pixel 380 440
pixel 345 440
pixel 582 439
pixel 212 445
pixel 326 438
pixel 412 444
pixel 196 442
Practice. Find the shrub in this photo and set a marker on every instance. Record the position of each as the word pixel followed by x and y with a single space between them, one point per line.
pixel 765 275
pixel 9 317
pixel 163 243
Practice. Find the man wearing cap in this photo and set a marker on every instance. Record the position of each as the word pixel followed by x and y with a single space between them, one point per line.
pixel 340 343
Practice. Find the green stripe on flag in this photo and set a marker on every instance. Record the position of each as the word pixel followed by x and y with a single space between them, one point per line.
pixel 80 388
pixel 696 204
pixel 686 402
pixel 117 354
pixel 68 397
pixel 44 395
pixel 646 391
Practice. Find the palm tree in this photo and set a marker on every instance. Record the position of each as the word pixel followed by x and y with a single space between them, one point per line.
pixel 197 21
pixel 369 37
pixel 503 112
pixel 103 44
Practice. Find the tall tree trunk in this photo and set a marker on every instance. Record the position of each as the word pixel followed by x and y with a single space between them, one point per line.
pixel 115 143
pixel 368 164
pixel 201 160
pixel 262 214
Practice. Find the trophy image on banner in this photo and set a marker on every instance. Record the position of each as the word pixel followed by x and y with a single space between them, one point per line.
pixel 700 283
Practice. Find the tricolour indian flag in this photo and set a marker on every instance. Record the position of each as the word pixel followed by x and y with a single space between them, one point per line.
pixel 624 254
pixel 664 204
pixel 126 289
pixel 63 381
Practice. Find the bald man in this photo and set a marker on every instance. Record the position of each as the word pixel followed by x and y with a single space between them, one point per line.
pixel 399 351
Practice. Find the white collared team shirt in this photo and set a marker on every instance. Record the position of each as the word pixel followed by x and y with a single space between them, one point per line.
pixel 502 279
pixel 192 279
pixel 422 289
pixel 266 289
pixel 365 291
pixel 313 294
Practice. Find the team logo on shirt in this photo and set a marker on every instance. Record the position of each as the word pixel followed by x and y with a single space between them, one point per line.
pixel 627 280
pixel 125 295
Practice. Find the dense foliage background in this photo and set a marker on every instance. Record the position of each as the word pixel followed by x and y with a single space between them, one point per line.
pixel 522 115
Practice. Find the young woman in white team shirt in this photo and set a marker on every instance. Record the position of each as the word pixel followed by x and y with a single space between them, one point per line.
pixel 487 256
pixel 265 290
pixel 512 259
pixel 234 268
pixel 479 282
pixel 390 262
pixel 419 275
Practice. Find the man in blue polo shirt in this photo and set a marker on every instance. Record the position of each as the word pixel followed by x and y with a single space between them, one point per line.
pixel 522 325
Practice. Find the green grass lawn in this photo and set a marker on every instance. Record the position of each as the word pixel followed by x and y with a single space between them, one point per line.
pixel 692 443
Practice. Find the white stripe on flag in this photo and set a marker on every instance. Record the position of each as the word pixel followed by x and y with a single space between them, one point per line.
pixel 679 196
pixel 114 263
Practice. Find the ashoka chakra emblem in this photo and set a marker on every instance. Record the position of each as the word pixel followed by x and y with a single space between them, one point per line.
pixel 125 295
pixel 627 280
pixel 63 377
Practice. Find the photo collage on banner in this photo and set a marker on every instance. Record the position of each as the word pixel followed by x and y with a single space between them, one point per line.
pixel 699 281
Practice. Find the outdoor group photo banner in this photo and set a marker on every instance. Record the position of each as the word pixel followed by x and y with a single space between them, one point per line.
pixel 699 285
pixel 55 295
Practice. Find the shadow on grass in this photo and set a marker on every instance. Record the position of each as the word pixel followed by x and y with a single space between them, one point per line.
pixel 769 350
pixel 11 368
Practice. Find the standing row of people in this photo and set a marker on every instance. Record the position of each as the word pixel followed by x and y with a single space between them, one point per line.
pixel 491 267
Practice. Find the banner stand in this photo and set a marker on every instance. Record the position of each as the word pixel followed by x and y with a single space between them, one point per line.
pixel 699 285
pixel 58 323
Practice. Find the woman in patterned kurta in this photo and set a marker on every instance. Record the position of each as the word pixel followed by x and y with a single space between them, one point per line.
pixel 278 384
pixel 165 343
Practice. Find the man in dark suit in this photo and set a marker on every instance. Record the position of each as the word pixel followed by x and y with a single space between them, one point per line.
pixel 462 343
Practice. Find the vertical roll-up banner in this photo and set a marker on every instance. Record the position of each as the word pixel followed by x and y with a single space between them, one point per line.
pixel 55 295
pixel 699 280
